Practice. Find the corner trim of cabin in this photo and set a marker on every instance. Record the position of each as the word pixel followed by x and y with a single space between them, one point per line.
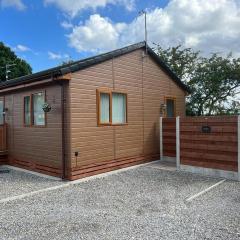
pixel 62 84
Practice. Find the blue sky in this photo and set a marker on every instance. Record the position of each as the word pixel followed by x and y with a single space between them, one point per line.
pixel 47 32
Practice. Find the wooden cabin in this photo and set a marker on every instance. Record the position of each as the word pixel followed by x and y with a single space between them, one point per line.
pixel 90 116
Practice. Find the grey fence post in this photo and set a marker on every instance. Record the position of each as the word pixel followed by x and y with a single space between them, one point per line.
pixel 238 147
pixel 161 138
pixel 178 142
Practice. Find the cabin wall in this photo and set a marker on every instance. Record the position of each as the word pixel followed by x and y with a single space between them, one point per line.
pixel 35 148
pixel 106 148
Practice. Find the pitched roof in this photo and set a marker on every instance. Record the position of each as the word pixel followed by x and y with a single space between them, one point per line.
pixel 87 62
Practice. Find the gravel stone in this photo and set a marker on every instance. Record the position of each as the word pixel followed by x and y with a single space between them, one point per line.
pixel 18 182
pixel 141 203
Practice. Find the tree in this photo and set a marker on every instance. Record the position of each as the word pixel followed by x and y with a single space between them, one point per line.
pixel 214 80
pixel 215 83
pixel 181 61
pixel 7 56
pixel 69 61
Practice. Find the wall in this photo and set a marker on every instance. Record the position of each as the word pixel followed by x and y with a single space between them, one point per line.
pixel 35 148
pixel 217 150
pixel 169 137
pixel 110 147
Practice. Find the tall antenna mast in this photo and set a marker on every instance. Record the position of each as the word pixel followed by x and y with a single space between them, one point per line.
pixel 7 70
pixel 143 12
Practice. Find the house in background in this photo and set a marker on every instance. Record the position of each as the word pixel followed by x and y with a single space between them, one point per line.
pixel 90 116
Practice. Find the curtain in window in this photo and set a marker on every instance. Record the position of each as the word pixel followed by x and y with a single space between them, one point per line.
pixel 118 108
pixel 104 108
pixel 27 111
pixel 38 113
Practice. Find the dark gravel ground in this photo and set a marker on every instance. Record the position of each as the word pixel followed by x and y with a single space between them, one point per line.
pixel 141 203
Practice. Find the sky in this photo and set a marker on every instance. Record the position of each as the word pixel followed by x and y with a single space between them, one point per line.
pixel 47 32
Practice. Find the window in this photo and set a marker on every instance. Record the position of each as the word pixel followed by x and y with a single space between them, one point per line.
pixel 170 107
pixel 112 108
pixel 33 112
pixel 38 113
pixel 104 108
pixel 118 108
pixel 27 111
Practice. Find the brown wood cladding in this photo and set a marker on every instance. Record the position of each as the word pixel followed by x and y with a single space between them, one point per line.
pixel 169 137
pixel 3 137
pixel 217 149
pixel 35 148
pixel 146 85
pixel 37 167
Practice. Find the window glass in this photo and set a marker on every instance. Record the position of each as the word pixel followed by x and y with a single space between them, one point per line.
pixel 118 108
pixel 170 108
pixel 38 113
pixel 1 112
pixel 104 108
pixel 27 111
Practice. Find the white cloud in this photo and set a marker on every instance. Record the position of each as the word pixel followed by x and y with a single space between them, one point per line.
pixel 66 25
pixel 205 25
pixel 57 56
pixel 98 34
pixel 21 48
pixel 18 4
pixel 74 7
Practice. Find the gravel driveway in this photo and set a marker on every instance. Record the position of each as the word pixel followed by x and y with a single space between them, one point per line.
pixel 140 203
pixel 18 182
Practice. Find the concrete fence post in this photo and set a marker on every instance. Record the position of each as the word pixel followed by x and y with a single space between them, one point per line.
pixel 161 138
pixel 238 147
pixel 178 142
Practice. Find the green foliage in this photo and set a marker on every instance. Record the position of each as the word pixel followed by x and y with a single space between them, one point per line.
pixel 69 61
pixel 214 80
pixel 7 56
pixel 182 61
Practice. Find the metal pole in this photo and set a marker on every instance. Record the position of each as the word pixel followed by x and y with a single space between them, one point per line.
pixel 238 147
pixel 145 25
pixel 146 29
pixel 6 72
pixel 178 142
pixel 161 138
